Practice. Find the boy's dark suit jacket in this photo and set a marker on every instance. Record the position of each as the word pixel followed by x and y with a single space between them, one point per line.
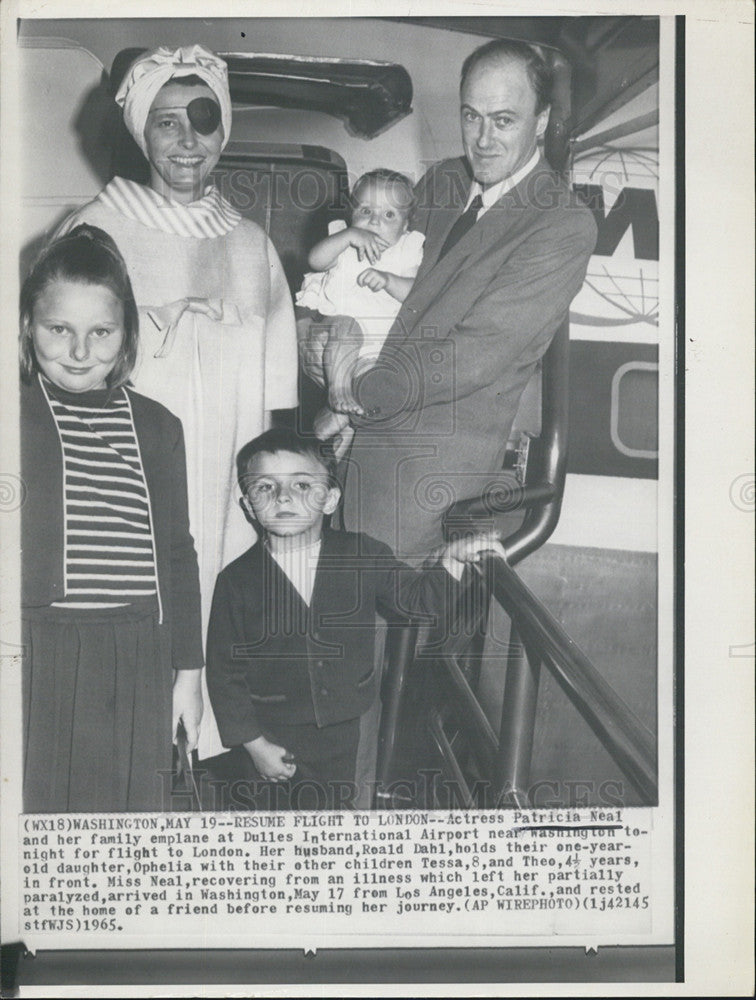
pixel 272 660
pixel 443 395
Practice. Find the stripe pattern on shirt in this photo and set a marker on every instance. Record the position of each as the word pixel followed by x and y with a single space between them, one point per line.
pixel 206 218
pixel 108 541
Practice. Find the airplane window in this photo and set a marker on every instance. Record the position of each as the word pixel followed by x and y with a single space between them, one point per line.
pixel 635 391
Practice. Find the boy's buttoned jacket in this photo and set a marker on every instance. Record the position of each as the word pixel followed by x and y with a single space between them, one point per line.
pixel 273 660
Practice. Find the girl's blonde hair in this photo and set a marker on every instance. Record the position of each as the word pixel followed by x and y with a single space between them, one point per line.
pixel 87 255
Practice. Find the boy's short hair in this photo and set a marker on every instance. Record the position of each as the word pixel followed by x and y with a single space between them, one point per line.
pixel 283 439
pixel 386 176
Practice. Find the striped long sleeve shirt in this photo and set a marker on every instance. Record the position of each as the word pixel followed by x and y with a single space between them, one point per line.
pixel 109 549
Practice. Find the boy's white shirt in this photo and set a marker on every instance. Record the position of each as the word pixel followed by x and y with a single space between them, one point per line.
pixel 300 566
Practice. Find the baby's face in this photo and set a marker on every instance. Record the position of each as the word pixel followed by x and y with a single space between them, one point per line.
pixel 382 208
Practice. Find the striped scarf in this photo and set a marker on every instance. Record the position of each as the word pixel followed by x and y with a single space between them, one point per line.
pixel 207 218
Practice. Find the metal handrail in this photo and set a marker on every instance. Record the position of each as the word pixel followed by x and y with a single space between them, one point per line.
pixel 540 521
pixel 537 637
pixel 436 729
pixel 630 743
pixel 541 495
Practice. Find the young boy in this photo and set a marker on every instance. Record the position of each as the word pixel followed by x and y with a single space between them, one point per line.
pixel 290 650
pixel 361 275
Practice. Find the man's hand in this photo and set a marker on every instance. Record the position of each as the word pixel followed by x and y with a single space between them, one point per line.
pixel 273 763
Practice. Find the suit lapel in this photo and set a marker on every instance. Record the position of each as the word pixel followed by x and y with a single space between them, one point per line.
pixel 492 226
pixel 448 198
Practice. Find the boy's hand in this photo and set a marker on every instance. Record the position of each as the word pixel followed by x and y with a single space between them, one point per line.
pixel 469 550
pixel 376 281
pixel 273 763
pixel 369 246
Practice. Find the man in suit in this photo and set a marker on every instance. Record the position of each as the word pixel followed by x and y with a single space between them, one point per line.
pixel 496 281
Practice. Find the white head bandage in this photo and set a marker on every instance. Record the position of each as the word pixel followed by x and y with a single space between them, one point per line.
pixel 153 70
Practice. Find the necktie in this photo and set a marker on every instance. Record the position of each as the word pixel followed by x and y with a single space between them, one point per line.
pixel 464 223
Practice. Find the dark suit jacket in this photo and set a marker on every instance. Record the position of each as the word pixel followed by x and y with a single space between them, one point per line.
pixel 272 660
pixel 442 398
pixel 161 443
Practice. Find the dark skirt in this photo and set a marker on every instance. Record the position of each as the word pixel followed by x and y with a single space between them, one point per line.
pixel 97 711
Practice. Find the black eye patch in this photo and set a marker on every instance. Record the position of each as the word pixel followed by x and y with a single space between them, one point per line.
pixel 204 115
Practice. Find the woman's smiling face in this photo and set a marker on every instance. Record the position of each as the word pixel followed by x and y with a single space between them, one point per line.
pixel 181 158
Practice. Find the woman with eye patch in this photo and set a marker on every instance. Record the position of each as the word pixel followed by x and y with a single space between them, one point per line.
pixel 217 334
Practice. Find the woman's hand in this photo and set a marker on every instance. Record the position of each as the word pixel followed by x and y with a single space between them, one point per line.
pixel 205 306
pixel 187 705
pixel 273 763
pixel 167 317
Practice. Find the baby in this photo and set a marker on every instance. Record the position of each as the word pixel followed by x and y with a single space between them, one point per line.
pixel 365 299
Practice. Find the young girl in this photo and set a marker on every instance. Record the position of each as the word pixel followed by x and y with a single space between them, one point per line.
pixel 110 591
pixel 361 275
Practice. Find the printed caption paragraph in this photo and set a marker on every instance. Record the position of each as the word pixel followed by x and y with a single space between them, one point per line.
pixel 541 871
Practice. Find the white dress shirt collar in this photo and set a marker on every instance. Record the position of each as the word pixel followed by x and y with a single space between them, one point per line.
pixel 492 194
pixel 300 566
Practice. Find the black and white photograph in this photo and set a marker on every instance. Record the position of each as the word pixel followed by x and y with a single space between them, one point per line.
pixel 343 492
